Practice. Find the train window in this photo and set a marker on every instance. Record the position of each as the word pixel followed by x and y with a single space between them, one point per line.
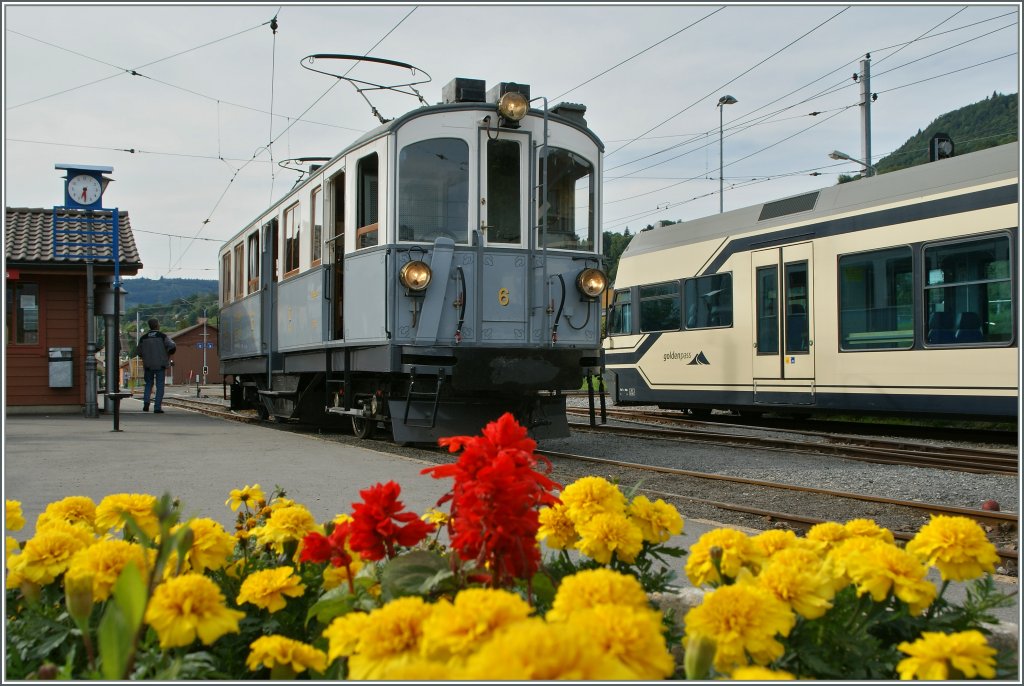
pixel 797 324
pixel 503 192
pixel 366 202
pixel 316 222
pixel 239 271
pixel 225 277
pixel 620 318
pixel 659 307
pixel 570 218
pixel 292 234
pixel 968 292
pixel 767 285
pixel 254 261
pixel 433 190
pixel 23 314
pixel 708 301
pixel 876 300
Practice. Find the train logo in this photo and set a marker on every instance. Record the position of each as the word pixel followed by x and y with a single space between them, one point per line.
pixel 699 359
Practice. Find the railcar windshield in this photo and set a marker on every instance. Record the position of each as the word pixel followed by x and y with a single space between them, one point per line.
pixel 433 190
pixel 570 216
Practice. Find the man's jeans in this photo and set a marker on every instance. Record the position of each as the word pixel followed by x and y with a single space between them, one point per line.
pixel 151 376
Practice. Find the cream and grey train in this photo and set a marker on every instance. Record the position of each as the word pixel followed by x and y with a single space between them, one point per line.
pixel 892 294
pixel 443 269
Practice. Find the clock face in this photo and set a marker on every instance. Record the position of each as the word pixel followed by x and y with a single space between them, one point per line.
pixel 84 189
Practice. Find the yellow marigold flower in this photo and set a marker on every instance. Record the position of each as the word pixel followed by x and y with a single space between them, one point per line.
pixel 336 576
pixel 456 629
pixel 743 619
pixel 435 516
pixel 392 632
pixel 736 549
pixel 104 562
pixel 279 503
pixel 81 532
pixel 275 651
pixel 658 521
pixel 843 554
pixel 938 656
pixel 15 562
pixel 188 606
pixel 772 541
pixel 47 555
pixel 111 510
pixel 956 546
pixel 556 527
pixel 797 577
pixel 417 669
pixel 247 496
pixel 607 534
pixel 11 546
pixel 533 650
pixel 211 544
pixel 267 588
pixel 13 517
pixel 868 528
pixel 631 635
pixel 592 495
pixel 593 587
pixel 342 518
pixel 758 673
pixel 75 509
pixel 827 535
pixel 289 523
pixel 885 568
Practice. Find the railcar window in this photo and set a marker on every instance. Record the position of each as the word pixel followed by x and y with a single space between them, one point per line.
pixel 316 233
pixel 23 314
pixel 659 307
pixel 767 310
pixel 254 261
pixel 968 292
pixel 620 318
pixel 570 216
pixel 225 277
pixel 797 308
pixel 433 190
pixel 876 300
pixel 239 272
pixel 292 234
pixel 366 202
pixel 503 192
pixel 708 301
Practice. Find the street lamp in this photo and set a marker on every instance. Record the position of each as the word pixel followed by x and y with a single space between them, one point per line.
pixel 722 102
pixel 869 169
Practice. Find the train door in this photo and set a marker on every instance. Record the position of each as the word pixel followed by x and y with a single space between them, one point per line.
pixel 504 219
pixel 783 324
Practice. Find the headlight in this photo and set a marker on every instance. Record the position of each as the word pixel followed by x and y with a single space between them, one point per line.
pixel 513 106
pixel 591 282
pixel 415 275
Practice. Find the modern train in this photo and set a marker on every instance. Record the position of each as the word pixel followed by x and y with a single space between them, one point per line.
pixel 441 270
pixel 895 294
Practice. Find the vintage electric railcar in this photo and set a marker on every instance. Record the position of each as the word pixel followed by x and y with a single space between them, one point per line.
pixel 893 294
pixel 441 270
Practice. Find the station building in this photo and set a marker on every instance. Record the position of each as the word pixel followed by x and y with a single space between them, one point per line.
pixel 197 345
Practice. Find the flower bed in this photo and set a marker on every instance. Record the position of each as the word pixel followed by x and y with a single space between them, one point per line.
pixel 530 581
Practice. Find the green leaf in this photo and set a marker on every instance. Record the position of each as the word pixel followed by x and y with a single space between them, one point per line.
pixel 409 574
pixel 130 596
pixel 543 589
pixel 337 601
pixel 114 639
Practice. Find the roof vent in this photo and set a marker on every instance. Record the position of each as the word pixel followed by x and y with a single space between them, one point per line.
pixel 780 208
pixel 464 90
pixel 572 111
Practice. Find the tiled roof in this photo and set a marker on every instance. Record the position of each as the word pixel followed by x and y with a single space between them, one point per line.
pixel 187 329
pixel 29 237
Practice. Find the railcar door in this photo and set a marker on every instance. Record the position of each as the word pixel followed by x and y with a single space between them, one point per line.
pixel 783 324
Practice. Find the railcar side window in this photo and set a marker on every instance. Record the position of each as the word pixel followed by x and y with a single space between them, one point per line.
pixel 254 261
pixel 620 318
pixel 433 190
pixel 767 285
pixel 316 233
pixel 239 272
pixel 708 301
pixel 876 300
pixel 225 278
pixel 292 235
pixel 570 215
pixel 366 202
pixel 968 292
pixel 797 325
pixel 659 307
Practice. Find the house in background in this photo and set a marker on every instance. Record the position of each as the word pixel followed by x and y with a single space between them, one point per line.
pixel 196 344
pixel 46 298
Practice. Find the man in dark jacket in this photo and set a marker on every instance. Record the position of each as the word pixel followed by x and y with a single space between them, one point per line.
pixel 155 349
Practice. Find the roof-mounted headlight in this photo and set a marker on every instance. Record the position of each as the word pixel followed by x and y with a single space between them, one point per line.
pixel 415 276
pixel 591 282
pixel 513 106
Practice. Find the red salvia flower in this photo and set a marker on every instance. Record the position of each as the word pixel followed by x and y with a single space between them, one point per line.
pixel 319 548
pixel 495 498
pixel 378 523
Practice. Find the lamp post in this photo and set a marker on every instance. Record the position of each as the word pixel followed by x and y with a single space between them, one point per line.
pixel 869 169
pixel 722 102
pixel 204 346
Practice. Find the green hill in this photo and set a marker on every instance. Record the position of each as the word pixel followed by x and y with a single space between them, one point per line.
pixel 143 291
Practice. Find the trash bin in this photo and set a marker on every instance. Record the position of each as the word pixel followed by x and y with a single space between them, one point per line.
pixel 61 368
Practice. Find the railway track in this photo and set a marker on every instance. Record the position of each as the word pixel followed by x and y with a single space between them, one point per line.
pixel 992 521
pixel 877 450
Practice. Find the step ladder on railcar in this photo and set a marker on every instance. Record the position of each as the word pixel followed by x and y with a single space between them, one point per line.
pixel 423 396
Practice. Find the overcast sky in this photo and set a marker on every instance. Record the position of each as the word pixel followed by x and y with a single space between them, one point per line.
pixel 215 85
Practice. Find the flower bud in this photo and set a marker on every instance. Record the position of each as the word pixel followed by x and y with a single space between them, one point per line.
pixel 78 596
pixel 31 590
pixel 700 653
